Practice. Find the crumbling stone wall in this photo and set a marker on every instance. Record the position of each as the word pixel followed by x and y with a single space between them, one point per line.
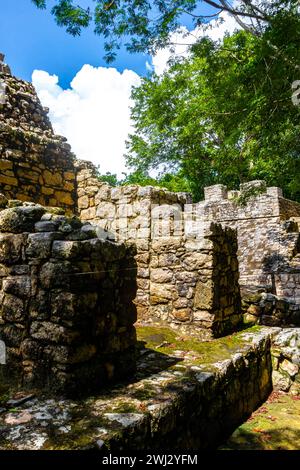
pixel 268 234
pixel 268 309
pixel 187 276
pixel 194 282
pixel 66 302
pixel 35 164
pixel 286 360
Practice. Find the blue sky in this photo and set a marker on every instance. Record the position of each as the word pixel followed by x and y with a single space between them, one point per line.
pixel 30 39
pixel 89 102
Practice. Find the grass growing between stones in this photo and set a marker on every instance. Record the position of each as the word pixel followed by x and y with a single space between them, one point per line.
pixel 273 426
pixel 166 341
pixel 171 368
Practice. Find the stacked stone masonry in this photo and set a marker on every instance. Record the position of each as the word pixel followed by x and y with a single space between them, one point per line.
pixel 285 353
pixel 35 164
pixel 66 298
pixel 187 279
pixel 268 234
pixel 194 282
pixel 191 398
pixel 267 228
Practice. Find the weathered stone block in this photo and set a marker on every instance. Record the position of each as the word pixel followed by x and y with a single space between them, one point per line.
pixel 50 332
pixel 183 314
pixel 161 293
pixel 11 248
pixel 39 244
pixel 20 219
pixel 13 309
pixel 19 286
pixel 204 295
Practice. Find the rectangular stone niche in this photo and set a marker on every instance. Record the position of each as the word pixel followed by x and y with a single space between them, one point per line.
pixel 67 309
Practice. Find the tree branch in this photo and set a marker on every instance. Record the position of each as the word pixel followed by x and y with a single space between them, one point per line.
pixel 226 7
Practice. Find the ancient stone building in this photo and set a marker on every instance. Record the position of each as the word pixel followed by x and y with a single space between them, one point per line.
pixel 268 234
pixel 267 226
pixel 35 164
pixel 269 247
pixel 188 274
pixel 66 298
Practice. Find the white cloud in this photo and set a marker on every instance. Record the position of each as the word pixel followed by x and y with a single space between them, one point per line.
pixel 183 38
pixel 94 114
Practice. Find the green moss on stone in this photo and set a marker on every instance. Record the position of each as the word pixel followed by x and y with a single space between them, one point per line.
pixel 274 426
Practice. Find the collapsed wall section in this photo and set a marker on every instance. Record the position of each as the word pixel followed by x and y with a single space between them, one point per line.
pixel 66 299
pixel 35 164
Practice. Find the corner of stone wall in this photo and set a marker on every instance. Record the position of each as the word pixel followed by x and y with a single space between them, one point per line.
pixel 67 310
pixel 35 164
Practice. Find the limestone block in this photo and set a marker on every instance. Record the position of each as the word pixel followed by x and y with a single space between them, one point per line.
pixel 204 316
pixel 46 226
pixel 53 333
pixel 11 248
pixel 13 309
pixel 56 274
pixel 106 210
pixel 161 275
pixel 39 244
pixel 204 295
pixel 289 367
pixel 19 286
pixel 52 179
pixel 183 314
pixel 161 293
pixel 280 381
pixel 8 180
pixel 103 194
pixel 83 202
pixel 196 261
pixel 69 176
pixel 64 198
pixel 88 214
pixel 181 302
pixel 168 259
pixel 215 193
pixel 20 219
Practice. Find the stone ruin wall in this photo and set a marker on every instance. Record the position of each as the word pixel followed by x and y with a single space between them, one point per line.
pixel 194 282
pixel 268 235
pixel 268 242
pixel 35 164
pixel 67 311
pixel 187 277
pixel 269 248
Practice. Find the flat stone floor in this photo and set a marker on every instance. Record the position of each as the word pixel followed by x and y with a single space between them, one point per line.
pixel 168 364
pixel 273 426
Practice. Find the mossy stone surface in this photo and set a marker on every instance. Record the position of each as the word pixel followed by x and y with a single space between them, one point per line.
pixel 274 426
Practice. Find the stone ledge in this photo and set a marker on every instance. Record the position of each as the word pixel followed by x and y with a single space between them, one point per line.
pixel 185 395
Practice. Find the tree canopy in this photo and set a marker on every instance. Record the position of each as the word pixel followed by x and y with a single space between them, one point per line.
pixel 225 114
pixel 145 25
